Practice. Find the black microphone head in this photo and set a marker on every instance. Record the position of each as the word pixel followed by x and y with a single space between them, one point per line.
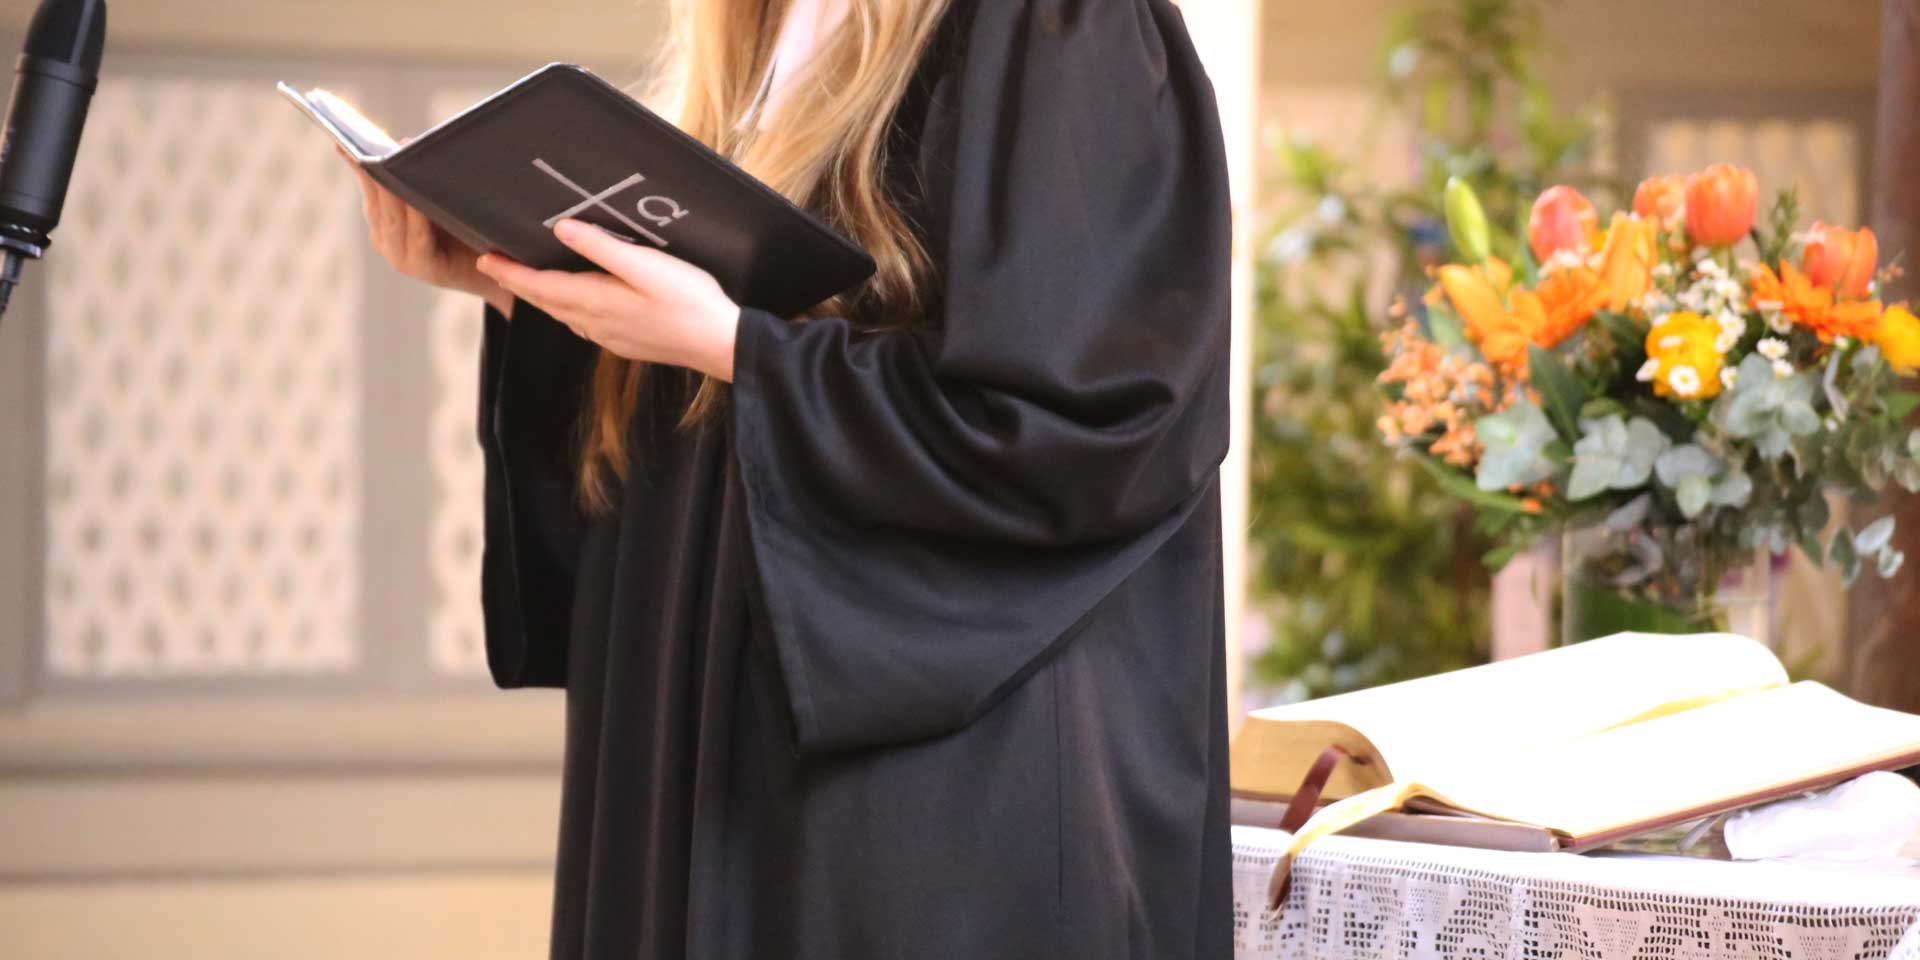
pixel 53 84
pixel 73 32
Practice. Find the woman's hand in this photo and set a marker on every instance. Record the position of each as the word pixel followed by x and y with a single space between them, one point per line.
pixel 418 249
pixel 648 306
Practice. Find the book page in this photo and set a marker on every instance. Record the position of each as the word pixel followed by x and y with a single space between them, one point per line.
pixel 1435 723
pixel 361 136
pixel 1687 764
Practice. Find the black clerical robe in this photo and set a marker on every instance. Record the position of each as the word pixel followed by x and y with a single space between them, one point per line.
pixel 917 651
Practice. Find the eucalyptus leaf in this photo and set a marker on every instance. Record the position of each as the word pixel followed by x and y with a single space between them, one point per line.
pixel 1683 462
pixel 1631 515
pixel 1693 494
pixel 1875 536
pixel 1614 454
pixel 1798 418
pixel 1734 489
pixel 1515 444
pixel 1837 400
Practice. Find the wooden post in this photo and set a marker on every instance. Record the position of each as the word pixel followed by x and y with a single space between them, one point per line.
pixel 1883 665
pixel 1227 35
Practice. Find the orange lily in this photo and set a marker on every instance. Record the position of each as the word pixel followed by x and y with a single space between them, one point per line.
pixel 1626 263
pixel 1565 301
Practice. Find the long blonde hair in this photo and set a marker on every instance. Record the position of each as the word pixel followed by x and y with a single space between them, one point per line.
pixel 826 152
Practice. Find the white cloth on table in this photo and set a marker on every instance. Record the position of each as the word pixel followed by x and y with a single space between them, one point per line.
pixel 1867 818
pixel 1355 898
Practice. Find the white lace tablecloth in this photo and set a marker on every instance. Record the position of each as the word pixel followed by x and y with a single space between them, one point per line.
pixel 1355 898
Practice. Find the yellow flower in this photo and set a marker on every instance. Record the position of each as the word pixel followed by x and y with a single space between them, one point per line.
pixel 1899 340
pixel 1682 362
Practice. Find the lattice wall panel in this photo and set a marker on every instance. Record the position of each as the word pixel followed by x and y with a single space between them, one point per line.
pixel 204 364
pixel 457 643
pixel 1819 157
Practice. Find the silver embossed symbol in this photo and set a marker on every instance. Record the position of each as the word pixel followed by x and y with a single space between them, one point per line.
pixel 591 200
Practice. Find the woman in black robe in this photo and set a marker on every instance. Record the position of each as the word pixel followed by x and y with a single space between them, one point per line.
pixel 916 651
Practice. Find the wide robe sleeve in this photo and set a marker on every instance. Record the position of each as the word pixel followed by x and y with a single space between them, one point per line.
pixel 933 508
pixel 533 379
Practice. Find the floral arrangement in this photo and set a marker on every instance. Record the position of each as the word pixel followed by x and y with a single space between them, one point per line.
pixel 1693 379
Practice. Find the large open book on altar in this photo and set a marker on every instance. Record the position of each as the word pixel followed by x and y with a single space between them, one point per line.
pixel 1589 744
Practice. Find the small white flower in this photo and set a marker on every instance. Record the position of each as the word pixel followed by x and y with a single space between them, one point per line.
pixel 1684 380
pixel 1648 371
pixel 1782 369
pixel 1562 260
pixel 1726 341
pixel 1841 343
pixel 1773 348
pixel 1729 376
pixel 1732 323
pixel 1663 270
pixel 1659 319
pixel 1778 322
pixel 1832 424
pixel 1672 341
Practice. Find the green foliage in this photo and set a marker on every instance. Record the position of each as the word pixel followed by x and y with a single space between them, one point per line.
pixel 1369 564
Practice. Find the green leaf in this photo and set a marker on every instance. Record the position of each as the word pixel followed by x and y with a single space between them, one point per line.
pixel 1900 403
pixel 1559 390
pixel 1444 328
pixel 1460 485
pixel 1843 557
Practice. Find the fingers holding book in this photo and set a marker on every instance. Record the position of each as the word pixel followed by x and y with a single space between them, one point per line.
pixel 415 248
pixel 647 306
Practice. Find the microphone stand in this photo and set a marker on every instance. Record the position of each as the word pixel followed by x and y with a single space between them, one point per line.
pixel 12 259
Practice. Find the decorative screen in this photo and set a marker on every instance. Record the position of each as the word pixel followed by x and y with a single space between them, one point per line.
pixel 203 456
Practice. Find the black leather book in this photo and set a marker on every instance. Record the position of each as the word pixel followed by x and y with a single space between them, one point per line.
pixel 561 142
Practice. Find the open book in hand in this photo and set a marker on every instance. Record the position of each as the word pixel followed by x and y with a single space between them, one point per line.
pixel 1590 743
pixel 562 142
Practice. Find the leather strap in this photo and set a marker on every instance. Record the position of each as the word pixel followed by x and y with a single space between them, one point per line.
pixel 1299 809
pixel 1307 797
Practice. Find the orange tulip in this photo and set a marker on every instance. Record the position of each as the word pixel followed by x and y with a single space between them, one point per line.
pixel 1661 199
pixel 1626 262
pixel 1562 219
pixel 1842 259
pixel 1721 203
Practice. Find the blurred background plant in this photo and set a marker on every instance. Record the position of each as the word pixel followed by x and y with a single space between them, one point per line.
pixel 1366 572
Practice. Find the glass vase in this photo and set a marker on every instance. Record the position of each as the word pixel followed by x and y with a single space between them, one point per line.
pixel 1660 580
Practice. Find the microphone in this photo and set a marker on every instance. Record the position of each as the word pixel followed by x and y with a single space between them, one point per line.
pixel 53 86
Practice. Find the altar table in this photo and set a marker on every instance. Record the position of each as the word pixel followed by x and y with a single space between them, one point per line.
pixel 1356 898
